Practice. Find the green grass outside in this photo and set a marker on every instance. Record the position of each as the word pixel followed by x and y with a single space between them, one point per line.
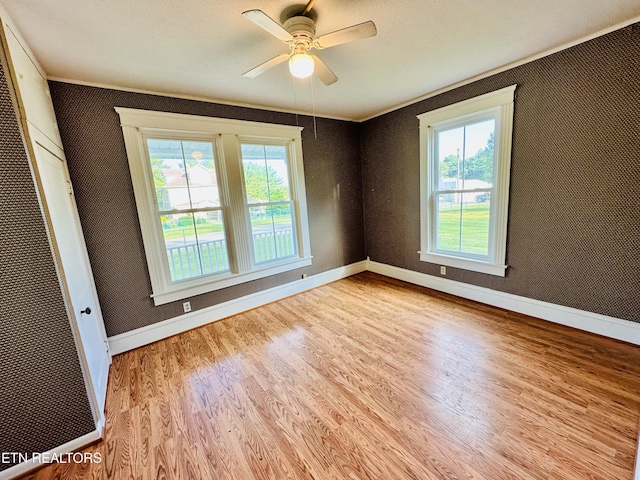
pixel 475 227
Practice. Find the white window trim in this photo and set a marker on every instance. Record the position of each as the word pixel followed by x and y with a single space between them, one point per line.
pixel 500 101
pixel 225 134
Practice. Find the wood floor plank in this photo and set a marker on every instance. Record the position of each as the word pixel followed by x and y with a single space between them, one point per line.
pixel 371 378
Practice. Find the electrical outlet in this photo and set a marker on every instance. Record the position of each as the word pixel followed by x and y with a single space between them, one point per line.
pixel 304 275
pixel 443 270
pixel 186 306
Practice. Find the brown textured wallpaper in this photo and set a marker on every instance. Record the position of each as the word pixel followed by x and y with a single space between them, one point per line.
pixel 574 214
pixel 95 151
pixel 43 401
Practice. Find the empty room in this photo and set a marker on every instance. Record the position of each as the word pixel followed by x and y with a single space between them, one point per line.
pixel 320 240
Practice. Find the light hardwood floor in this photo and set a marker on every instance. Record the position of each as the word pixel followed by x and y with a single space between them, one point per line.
pixel 371 378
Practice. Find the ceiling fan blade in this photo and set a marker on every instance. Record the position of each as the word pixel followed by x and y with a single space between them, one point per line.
pixel 323 72
pixel 264 21
pixel 254 72
pixel 349 34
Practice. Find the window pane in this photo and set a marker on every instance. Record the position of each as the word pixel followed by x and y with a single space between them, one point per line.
pixel 463 222
pixel 450 148
pixel 278 173
pixel 465 156
pixel 180 241
pixel 184 174
pixel 478 159
pixel 195 244
pixel 272 231
pixel 266 173
pixel 212 242
pixel 448 221
pixel 201 174
pixel 475 224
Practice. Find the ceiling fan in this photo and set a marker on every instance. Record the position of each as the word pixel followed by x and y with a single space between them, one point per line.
pixel 299 32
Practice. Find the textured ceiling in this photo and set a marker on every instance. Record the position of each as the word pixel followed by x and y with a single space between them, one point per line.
pixel 199 48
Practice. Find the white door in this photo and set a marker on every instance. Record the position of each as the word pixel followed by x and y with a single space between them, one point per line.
pixel 77 273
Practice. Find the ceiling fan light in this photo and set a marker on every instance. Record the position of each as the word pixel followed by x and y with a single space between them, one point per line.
pixel 301 65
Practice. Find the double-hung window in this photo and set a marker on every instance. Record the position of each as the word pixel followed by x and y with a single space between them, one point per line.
pixel 220 202
pixel 465 153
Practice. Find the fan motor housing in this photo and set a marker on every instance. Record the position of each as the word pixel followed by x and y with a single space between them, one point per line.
pixel 300 26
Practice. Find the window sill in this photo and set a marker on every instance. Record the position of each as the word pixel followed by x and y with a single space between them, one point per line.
pixel 185 290
pixel 464 263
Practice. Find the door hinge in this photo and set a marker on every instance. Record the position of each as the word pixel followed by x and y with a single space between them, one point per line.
pixel 70 188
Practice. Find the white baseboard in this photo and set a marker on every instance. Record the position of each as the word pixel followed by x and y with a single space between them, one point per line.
pixel 166 328
pixel 591 322
pixel 72 446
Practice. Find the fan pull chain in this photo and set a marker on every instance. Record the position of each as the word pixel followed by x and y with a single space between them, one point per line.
pixel 313 104
pixel 295 99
